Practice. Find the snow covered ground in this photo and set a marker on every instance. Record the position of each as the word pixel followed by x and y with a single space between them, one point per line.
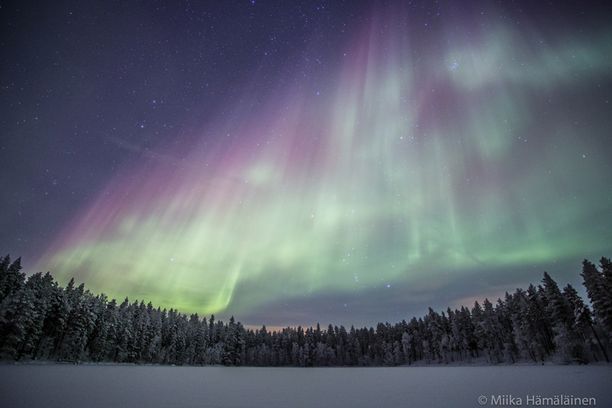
pixel 111 386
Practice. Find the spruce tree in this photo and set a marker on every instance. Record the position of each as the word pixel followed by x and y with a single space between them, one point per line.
pixel 599 293
pixel 583 321
pixel 566 339
pixel 11 277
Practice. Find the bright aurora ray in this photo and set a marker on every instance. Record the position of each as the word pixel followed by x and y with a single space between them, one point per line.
pixel 406 169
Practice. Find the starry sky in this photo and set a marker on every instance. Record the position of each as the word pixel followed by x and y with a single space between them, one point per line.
pixel 289 162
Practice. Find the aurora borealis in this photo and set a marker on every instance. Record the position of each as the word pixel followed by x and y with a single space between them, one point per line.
pixel 416 161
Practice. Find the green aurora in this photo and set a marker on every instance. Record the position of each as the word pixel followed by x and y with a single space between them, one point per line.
pixel 418 165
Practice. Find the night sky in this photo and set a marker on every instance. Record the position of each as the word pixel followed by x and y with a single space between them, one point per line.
pixel 292 162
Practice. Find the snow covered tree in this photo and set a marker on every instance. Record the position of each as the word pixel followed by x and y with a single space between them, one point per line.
pixel 583 323
pixel 18 320
pixel 566 337
pixel 11 277
pixel 599 291
pixel 41 320
pixel 233 344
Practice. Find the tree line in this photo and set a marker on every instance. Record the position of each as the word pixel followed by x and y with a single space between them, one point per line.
pixel 40 320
